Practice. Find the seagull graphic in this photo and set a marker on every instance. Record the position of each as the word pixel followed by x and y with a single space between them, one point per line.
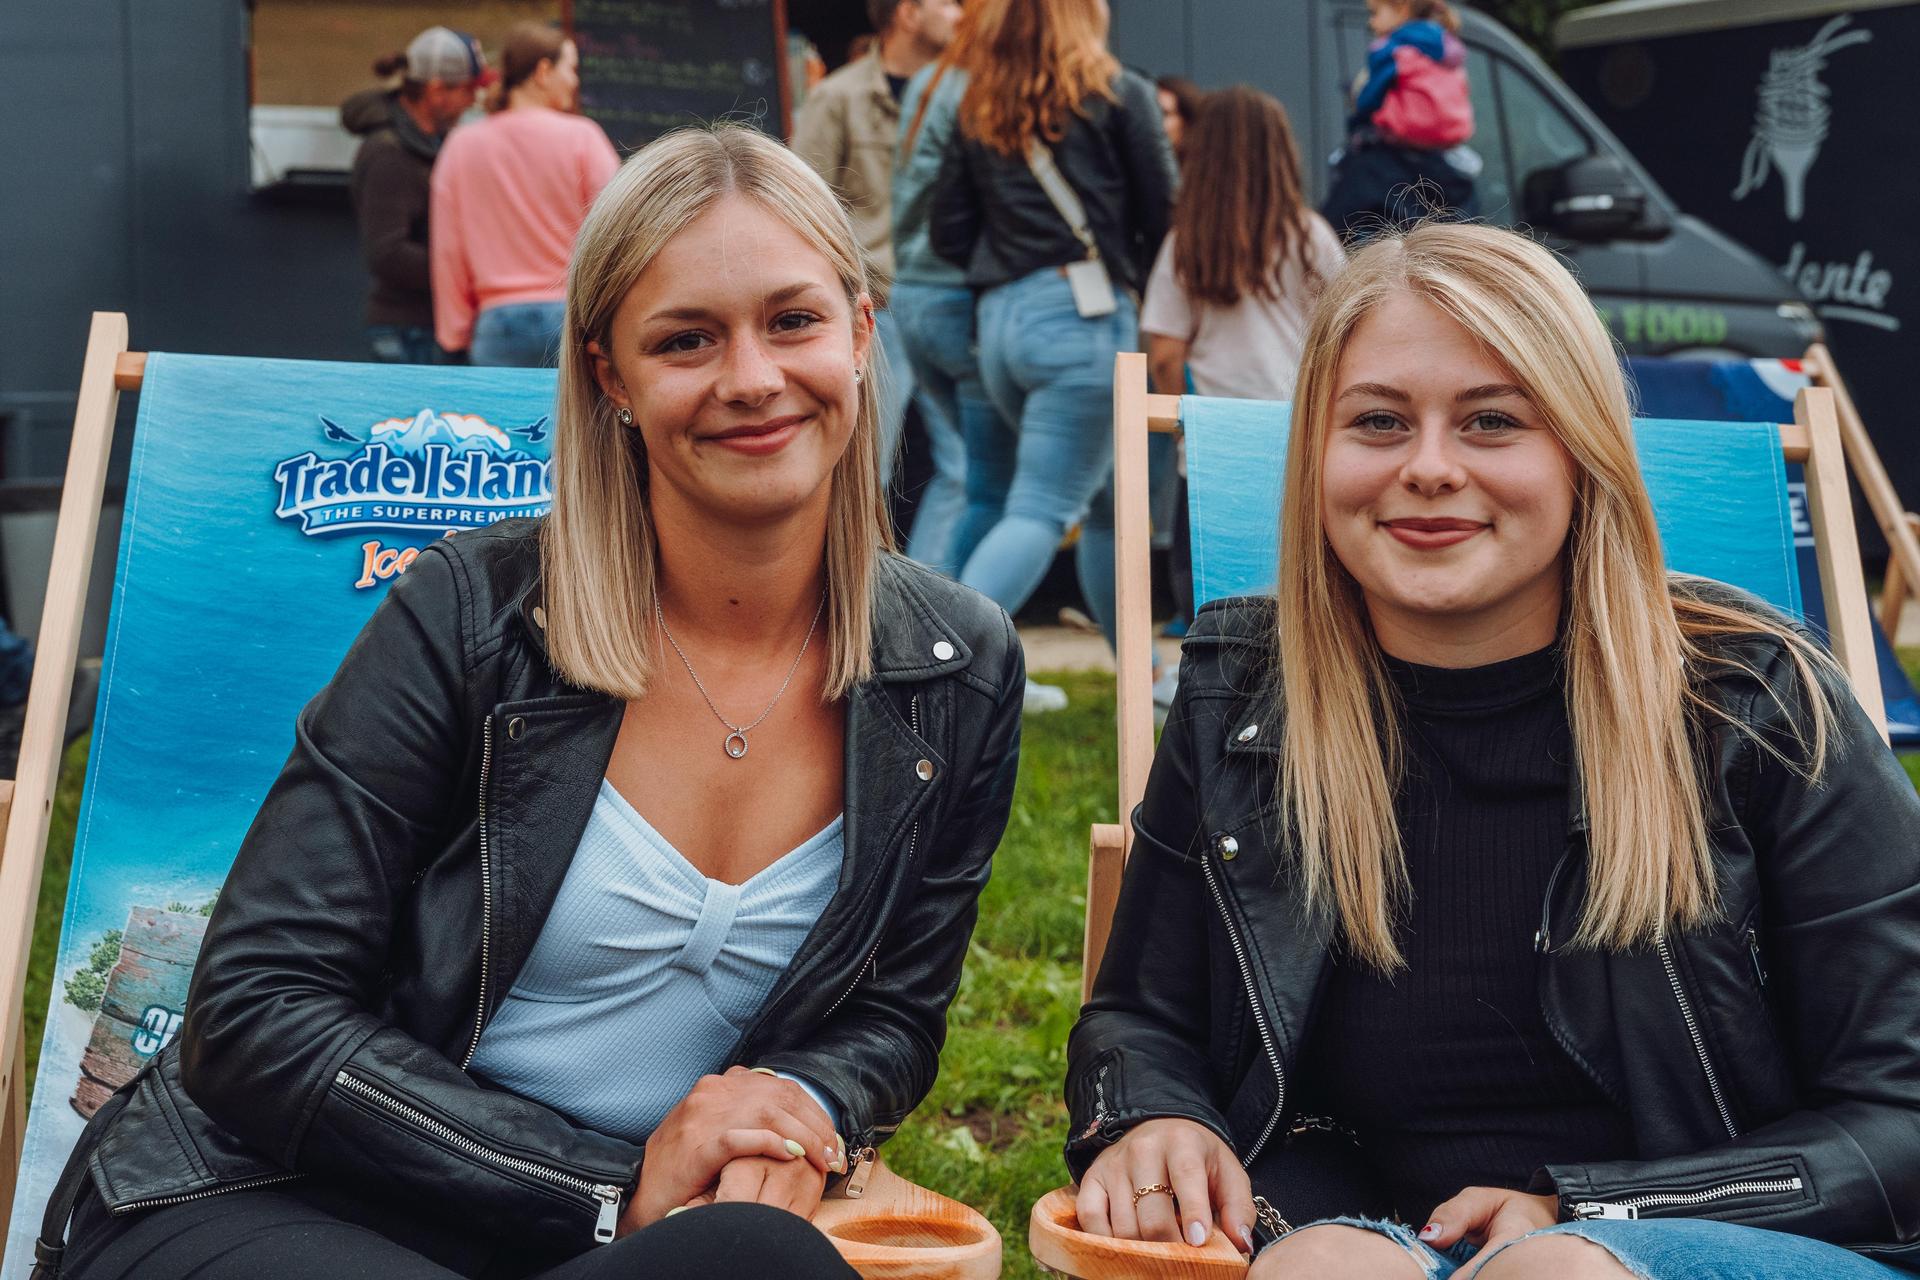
pixel 339 433
pixel 534 432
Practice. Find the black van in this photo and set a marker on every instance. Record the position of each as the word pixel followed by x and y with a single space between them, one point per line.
pixel 1667 283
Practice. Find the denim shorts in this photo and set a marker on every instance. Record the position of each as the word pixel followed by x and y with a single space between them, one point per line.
pixel 1667 1249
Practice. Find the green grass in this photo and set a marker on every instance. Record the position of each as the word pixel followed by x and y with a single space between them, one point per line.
pixel 990 1133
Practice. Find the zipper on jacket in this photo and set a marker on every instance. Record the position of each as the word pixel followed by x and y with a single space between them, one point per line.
pixel 913 843
pixel 1693 1031
pixel 1631 1206
pixel 858 1172
pixel 605 1193
pixel 1101 1115
pixel 1259 1014
pixel 486 893
pixel 1753 949
pixel 1543 936
pixel 162 1202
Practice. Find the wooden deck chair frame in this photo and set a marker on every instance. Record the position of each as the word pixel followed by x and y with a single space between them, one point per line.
pixel 1814 439
pixel 1900 527
pixel 896 1229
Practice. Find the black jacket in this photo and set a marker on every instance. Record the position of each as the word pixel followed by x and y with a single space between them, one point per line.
pixel 392 173
pixel 991 216
pixel 1770 1063
pixel 400 869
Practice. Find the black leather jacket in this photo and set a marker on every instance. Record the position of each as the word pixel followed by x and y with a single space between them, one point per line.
pixel 1770 1062
pixel 991 216
pixel 401 867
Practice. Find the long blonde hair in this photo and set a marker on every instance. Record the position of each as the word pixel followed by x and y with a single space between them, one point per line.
pixel 597 548
pixel 1030 64
pixel 1634 646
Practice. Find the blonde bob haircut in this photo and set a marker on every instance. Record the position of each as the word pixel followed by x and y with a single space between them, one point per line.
pixel 598 547
pixel 1634 639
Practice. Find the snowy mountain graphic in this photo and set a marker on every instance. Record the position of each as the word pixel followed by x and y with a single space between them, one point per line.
pixel 462 432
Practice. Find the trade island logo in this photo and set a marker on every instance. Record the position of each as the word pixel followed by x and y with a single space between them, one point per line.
pixel 434 473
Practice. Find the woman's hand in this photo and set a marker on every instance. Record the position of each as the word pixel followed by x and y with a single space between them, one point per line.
pixel 793 1185
pixel 1207 1181
pixel 1488 1217
pixel 737 1117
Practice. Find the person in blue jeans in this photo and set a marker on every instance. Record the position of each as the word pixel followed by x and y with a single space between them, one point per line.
pixel 934 313
pixel 1042 86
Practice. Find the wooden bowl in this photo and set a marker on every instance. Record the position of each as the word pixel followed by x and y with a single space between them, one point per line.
pixel 901 1231
pixel 1058 1244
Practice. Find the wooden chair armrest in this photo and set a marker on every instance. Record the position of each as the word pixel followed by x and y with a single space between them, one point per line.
pixel 1058 1244
pixel 1106 862
pixel 899 1230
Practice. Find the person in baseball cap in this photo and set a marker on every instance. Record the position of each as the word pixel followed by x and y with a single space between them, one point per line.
pixel 401 130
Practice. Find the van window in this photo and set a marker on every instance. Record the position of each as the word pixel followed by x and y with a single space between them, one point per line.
pixel 1494 186
pixel 1539 134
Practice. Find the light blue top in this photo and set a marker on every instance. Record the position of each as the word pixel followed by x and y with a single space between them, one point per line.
pixel 913 175
pixel 646 972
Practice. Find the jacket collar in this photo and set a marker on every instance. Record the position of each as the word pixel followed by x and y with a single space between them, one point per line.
pixel 911 640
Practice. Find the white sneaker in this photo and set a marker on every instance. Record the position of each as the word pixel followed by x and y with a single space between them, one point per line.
pixel 1043 697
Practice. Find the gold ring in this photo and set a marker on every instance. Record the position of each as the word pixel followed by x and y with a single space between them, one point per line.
pixel 1156 1189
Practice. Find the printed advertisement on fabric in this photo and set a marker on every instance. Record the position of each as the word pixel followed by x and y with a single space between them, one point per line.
pixel 269 503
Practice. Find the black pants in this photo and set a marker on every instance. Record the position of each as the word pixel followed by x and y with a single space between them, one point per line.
pixel 318 1234
pixel 1379 186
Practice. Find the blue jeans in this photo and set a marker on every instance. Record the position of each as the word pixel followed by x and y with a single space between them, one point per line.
pixel 896 388
pixel 1670 1249
pixel 404 344
pixel 936 329
pixel 1050 373
pixel 521 334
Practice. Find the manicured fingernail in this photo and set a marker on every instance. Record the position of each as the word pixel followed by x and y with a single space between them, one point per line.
pixel 765 1071
pixel 1429 1231
pixel 794 1148
pixel 1246 1240
pixel 681 1209
pixel 1196 1233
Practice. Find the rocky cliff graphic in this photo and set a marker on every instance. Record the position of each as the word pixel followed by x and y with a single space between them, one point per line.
pixel 1792 119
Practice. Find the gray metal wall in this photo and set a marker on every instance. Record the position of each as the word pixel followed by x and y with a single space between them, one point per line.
pixel 125 155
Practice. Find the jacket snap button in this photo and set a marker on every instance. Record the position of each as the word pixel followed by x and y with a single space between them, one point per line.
pixel 1247 734
pixel 924 770
pixel 540 617
pixel 942 651
pixel 1227 847
pixel 516 728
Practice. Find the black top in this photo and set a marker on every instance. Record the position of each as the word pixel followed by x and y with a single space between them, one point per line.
pixel 990 214
pixel 897 85
pixel 1448 1071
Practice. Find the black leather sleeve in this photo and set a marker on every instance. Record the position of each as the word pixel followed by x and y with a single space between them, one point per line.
pixel 1151 174
pixel 1839 860
pixel 878 1053
pixel 955 218
pixel 280 1012
pixel 1139 1050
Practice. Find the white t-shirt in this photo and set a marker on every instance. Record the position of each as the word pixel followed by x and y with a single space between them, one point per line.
pixel 1252 349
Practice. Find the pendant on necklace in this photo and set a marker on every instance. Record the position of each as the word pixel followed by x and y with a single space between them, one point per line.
pixel 736 744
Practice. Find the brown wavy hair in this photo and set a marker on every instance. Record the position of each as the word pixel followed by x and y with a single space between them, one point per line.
pixel 528 45
pixel 1240 213
pixel 1030 64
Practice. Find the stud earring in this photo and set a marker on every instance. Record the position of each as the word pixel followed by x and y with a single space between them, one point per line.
pixel 858 376
pixel 624 416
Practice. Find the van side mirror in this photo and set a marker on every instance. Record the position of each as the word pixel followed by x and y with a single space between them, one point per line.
pixel 1590 198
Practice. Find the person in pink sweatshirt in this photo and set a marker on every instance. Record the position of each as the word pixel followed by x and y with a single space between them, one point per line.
pixel 509 195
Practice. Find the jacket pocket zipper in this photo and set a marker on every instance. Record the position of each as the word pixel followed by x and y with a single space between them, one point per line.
pixel 486 893
pixel 1253 998
pixel 1693 1031
pixel 1632 1205
pixel 248 1184
pixel 605 1193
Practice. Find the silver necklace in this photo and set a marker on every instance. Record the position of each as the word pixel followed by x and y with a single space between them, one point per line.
pixel 735 744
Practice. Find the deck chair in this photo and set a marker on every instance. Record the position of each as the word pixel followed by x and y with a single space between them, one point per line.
pixel 1719 492
pixel 269 504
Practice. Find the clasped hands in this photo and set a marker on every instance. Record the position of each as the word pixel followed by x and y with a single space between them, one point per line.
pixel 1207 1186
pixel 747 1136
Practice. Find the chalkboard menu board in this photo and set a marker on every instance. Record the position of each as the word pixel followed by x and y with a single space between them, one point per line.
pixel 647 66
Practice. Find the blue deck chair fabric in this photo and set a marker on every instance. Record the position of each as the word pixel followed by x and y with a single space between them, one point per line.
pixel 1763 390
pixel 1714 484
pixel 269 504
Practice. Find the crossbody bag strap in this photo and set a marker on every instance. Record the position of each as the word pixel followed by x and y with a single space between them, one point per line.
pixel 1065 200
